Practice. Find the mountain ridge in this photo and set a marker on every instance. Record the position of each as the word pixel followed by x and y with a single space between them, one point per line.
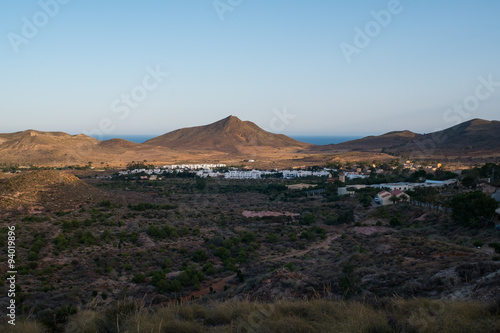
pixel 231 139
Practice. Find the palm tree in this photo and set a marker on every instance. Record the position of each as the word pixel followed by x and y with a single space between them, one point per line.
pixel 394 199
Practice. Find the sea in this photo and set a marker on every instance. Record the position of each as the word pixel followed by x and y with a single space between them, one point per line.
pixel 324 140
pixel 314 139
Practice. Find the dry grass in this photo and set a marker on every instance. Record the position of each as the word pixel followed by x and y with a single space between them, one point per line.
pixel 23 326
pixel 383 315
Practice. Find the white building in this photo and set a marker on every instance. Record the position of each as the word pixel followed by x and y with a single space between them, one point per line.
pixel 384 197
pixel 355 175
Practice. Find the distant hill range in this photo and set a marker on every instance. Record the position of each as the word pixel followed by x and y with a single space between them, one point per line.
pixel 470 138
pixel 58 148
pixel 233 140
pixel 476 136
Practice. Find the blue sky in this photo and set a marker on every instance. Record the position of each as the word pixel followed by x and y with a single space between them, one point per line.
pixel 263 60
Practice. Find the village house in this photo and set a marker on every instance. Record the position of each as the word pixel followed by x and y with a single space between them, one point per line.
pixel 397 186
pixel 354 175
pixel 300 186
pixel 487 188
pixel 384 197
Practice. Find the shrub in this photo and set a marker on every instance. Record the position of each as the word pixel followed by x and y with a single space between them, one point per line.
pixel 395 222
pixel 209 269
pixel 248 237
pixel 200 256
pixel 60 242
pixel 309 219
pixel 223 253
pixel 478 243
pixel 496 246
pixel 139 278
pixel 272 238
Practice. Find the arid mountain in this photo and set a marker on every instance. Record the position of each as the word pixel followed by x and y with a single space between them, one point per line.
pixel 396 138
pixel 34 140
pixel 476 137
pixel 231 140
pixel 58 148
pixel 35 147
pixel 471 139
pixel 46 190
pixel 373 143
pixel 118 143
pixel 226 135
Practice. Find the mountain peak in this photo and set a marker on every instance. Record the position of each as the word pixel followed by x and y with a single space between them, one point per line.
pixel 231 122
pixel 227 134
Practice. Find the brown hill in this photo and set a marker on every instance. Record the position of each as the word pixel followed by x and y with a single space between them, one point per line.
pixel 391 139
pixel 471 138
pixel 226 135
pixel 372 143
pixel 58 148
pixel 37 147
pixel 31 139
pixel 46 190
pixel 118 143
pixel 477 133
pixel 476 138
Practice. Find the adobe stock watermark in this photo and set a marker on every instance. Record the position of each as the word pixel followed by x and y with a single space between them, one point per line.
pixel 426 318
pixel 255 319
pixel 363 37
pixel 280 120
pixel 223 6
pixel 127 102
pixel 31 26
pixel 460 112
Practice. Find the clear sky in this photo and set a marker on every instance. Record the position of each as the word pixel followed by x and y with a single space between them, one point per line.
pixel 336 67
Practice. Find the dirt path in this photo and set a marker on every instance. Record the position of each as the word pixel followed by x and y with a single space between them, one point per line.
pixel 218 285
pixel 324 244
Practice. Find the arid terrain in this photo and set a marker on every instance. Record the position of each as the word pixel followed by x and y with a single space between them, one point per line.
pixel 87 242
pixel 235 142
pixel 103 249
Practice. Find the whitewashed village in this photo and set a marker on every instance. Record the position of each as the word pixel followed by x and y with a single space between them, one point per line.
pixel 389 193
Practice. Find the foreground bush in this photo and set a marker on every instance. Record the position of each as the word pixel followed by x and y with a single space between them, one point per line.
pixel 379 315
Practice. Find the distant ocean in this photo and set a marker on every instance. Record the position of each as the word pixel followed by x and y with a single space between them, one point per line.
pixel 324 140
pixel 134 138
pixel 314 139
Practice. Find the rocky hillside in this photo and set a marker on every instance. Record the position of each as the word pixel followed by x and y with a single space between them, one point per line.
pixel 46 190
pixel 225 135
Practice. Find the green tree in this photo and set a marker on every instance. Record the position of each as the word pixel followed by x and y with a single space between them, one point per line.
pixel 209 268
pixel 308 219
pixel 349 280
pixel 394 199
pixel 473 208
pixel 468 182
pixel 139 278
pixel 272 238
pixel 200 256
pixel 394 222
pixel 201 183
